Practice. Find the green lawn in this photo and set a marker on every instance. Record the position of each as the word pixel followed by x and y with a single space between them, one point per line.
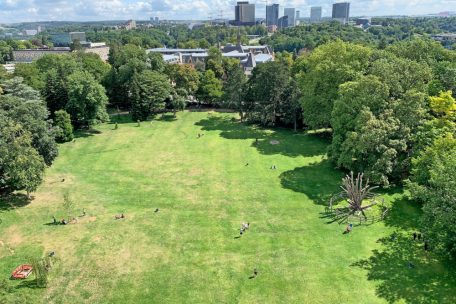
pixel 188 252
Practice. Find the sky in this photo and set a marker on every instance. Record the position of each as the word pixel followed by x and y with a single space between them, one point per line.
pixel 93 10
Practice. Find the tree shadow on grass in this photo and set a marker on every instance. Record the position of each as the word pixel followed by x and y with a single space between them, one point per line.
pixel 83 133
pixel 13 201
pixel 167 117
pixel 29 284
pixel 405 272
pixel 318 181
pixel 289 143
pixel 404 213
pixel 121 118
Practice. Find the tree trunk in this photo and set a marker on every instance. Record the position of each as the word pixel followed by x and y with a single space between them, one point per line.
pixel 295 123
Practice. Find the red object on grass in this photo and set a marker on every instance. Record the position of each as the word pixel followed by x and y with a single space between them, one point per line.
pixel 22 272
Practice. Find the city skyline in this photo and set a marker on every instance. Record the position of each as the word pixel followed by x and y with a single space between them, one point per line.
pixel 97 10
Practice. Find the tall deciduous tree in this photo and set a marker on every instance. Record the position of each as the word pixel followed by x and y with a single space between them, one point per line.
pixel 21 166
pixel 322 72
pixel 64 131
pixel 87 99
pixel 22 104
pixel 184 76
pixel 234 88
pixel 150 90
pixel 210 89
pixel 433 183
pixel 265 93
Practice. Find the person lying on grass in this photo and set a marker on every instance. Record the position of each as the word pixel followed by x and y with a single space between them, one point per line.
pixel 118 217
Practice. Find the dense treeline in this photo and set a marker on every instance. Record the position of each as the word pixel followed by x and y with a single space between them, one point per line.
pixel 387 31
pixel 390 110
pixel 392 114
pixel 176 36
pixel 308 37
pixel 40 105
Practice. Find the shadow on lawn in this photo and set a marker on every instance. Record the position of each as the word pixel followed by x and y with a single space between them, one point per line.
pixel 404 271
pixel 166 117
pixel 290 143
pixel 404 213
pixel 83 133
pixel 13 201
pixel 318 181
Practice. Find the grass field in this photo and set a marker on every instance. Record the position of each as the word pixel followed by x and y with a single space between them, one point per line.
pixel 188 251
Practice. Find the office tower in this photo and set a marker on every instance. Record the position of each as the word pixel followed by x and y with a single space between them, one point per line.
pixel 341 12
pixel 283 22
pixel 298 15
pixel 244 13
pixel 291 14
pixel 315 14
pixel 272 14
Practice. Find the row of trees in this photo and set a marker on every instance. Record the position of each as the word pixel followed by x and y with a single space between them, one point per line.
pixel 391 31
pixel 40 105
pixel 392 114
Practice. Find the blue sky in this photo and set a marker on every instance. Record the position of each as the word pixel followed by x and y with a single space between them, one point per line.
pixel 85 10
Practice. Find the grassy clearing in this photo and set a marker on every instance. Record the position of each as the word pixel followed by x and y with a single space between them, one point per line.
pixel 187 252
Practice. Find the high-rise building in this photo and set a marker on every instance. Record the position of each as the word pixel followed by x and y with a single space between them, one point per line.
pixel 244 13
pixel 130 25
pixel 272 14
pixel 283 22
pixel 298 15
pixel 315 14
pixel 291 14
pixel 341 12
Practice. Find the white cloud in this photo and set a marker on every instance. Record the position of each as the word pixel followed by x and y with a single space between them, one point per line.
pixel 35 10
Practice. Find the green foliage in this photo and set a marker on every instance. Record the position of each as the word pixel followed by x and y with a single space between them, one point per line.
pixel 184 76
pixel 6 52
pixel 126 61
pixel 149 91
pixel 210 88
pixel 179 100
pixel 373 133
pixel 87 99
pixel 444 105
pixel 21 166
pixel 156 62
pixel 55 91
pixel 311 36
pixel 30 74
pixel 23 105
pixel 92 64
pixel 40 271
pixel 62 121
pixel 266 100
pixel 433 183
pixel 320 75
pixel 234 87
pixel 17 87
pixel 214 62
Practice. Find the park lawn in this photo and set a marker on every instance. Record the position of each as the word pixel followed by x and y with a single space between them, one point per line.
pixel 188 251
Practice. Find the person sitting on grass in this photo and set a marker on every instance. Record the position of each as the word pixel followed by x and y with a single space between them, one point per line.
pixel 121 216
pixel 245 226
pixel 349 228
pixel 156 210
pixel 63 222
